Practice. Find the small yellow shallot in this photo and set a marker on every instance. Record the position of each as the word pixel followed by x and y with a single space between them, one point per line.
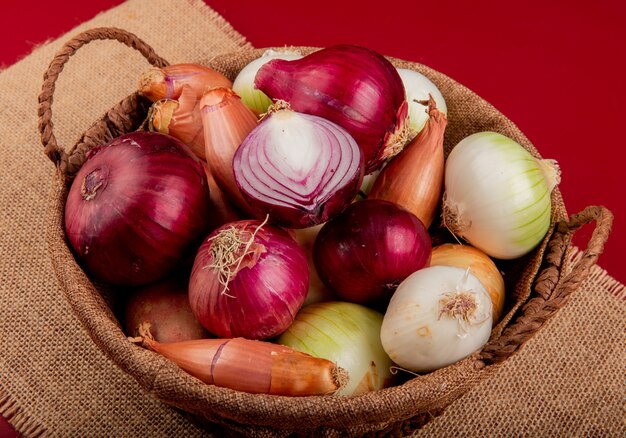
pixel 167 82
pixel 413 179
pixel 181 119
pixel 252 366
pixel 226 121
pixel 479 264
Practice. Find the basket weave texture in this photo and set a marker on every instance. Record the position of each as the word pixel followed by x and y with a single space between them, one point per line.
pixel 537 285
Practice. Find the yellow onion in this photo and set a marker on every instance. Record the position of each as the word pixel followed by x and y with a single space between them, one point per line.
pixel 346 334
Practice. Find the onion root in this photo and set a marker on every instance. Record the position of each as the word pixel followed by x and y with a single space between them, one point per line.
pixel 229 249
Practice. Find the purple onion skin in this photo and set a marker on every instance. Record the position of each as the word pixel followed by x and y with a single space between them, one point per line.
pixel 137 207
pixel 364 253
pixel 263 297
pixel 353 86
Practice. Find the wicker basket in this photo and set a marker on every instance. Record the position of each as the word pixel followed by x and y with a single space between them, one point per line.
pixel 538 285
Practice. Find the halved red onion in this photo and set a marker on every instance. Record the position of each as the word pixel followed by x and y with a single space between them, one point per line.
pixel 298 168
pixel 249 279
pixel 364 253
pixel 137 207
pixel 352 86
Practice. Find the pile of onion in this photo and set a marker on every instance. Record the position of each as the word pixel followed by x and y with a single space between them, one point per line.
pixel 267 209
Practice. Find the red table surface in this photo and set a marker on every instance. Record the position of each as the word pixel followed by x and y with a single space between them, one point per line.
pixel 556 69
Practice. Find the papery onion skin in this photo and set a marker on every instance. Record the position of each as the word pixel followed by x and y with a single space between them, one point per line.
pixel 352 86
pixel 497 195
pixel 167 82
pixel 298 168
pixel 136 208
pixel 421 334
pixel 264 291
pixel 347 334
pixel 366 251
pixel 180 119
pixel 480 265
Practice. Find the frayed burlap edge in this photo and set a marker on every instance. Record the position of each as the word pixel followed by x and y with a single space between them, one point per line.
pixel 15 415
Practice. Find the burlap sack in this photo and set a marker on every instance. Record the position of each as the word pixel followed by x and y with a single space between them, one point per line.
pixel 538 284
pixel 55 381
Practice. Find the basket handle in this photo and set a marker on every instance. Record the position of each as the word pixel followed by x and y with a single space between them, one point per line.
pixel 57 154
pixel 553 286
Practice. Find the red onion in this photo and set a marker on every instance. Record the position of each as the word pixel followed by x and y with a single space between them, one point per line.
pixel 249 279
pixel 298 168
pixel 136 208
pixel 366 251
pixel 353 86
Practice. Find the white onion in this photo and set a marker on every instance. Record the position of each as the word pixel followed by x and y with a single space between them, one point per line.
pixel 347 334
pixel 419 333
pixel 418 88
pixel 497 195
pixel 243 85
